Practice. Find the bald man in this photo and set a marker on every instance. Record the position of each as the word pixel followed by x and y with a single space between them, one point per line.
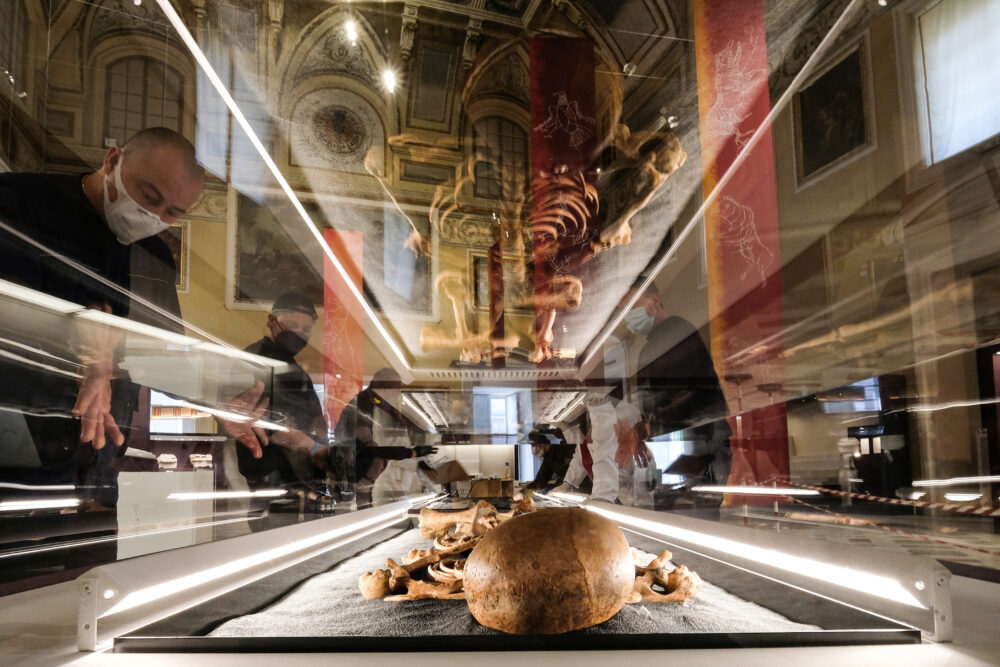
pixel 70 236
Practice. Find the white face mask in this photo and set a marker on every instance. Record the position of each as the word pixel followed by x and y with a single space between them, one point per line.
pixel 638 321
pixel 128 221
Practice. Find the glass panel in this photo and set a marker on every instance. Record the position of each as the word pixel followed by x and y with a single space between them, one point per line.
pixel 349 248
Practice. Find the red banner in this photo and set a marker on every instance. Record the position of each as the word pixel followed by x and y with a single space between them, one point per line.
pixel 563 145
pixel 741 229
pixel 343 334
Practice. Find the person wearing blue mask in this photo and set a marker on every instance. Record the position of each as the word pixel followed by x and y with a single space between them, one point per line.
pixel 677 383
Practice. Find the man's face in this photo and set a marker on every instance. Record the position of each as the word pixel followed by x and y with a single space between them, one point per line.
pixel 156 179
pixel 650 302
pixel 299 323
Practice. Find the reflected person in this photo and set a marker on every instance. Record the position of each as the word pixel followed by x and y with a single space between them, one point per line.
pixel 70 236
pixel 677 383
pixel 291 458
pixel 371 428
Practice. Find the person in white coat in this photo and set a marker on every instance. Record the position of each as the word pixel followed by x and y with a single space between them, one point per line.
pixel 614 442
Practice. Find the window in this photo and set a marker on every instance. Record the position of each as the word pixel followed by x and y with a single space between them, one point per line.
pixel 502 150
pixel 14 43
pixel 958 98
pixel 141 93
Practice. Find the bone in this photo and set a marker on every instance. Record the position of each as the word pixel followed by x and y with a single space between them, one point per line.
pixel 679 584
pixel 447 570
pixel 420 590
pixel 473 522
pixel 375 584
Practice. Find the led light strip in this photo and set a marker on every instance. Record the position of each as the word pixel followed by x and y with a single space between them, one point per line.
pixel 213 77
pixel 420 412
pixel 872 584
pixel 224 495
pixel 51 503
pixel 195 579
pixel 754 490
pixel 956 481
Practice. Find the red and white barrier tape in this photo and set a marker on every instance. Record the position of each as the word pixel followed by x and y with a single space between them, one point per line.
pixel 949 507
pixel 926 538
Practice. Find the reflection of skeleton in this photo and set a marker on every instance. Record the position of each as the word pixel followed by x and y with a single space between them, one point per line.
pixel 648 159
pixel 740 231
pixel 473 346
pixel 561 224
pixel 566 116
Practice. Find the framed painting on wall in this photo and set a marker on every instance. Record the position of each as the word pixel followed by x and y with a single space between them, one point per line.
pixel 271 251
pixel 833 117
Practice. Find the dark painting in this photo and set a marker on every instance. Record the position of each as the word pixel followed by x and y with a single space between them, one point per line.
pixel 832 115
pixel 276 253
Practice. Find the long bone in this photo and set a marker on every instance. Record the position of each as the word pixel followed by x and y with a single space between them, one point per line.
pixel 383 582
pixel 474 521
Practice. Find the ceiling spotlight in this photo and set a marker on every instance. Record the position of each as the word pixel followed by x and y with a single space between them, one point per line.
pixel 389 80
pixel 672 122
pixel 352 32
pixel 629 69
pixel 883 3
pixel 136 2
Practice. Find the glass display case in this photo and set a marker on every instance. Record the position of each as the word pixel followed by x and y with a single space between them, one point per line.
pixel 290 273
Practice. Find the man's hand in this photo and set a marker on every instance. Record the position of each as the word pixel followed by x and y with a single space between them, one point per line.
pixel 631 449
pixel 96 349
pixel 294 440
pixel 93 406
pixel 250 403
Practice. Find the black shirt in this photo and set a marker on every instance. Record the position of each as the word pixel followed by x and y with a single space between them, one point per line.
pixel 677 383
pixel 52 210
pixel 293 402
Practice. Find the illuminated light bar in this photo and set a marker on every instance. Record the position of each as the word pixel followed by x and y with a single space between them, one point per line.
pixel 228 415
pixel 571 497
pixel 202 577
pixel 272 426
pixel 221 88
pixel 223 495
pixel 421 413
pixel 846 577
pixel 754 490
pixel 49 503
pixel 426 498
pixel 17 358
pixel 955 481
pixel 949 405
pixel 100 317
pixel 33 298
pixel 571 407
pixel 37 487
pixel 963 497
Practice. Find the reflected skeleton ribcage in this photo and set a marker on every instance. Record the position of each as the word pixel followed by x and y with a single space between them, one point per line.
pixel 560 220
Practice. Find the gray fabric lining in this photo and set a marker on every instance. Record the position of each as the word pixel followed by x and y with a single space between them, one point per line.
pixel 330 604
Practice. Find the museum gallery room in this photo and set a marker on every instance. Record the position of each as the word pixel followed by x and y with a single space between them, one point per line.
pixel 428 331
